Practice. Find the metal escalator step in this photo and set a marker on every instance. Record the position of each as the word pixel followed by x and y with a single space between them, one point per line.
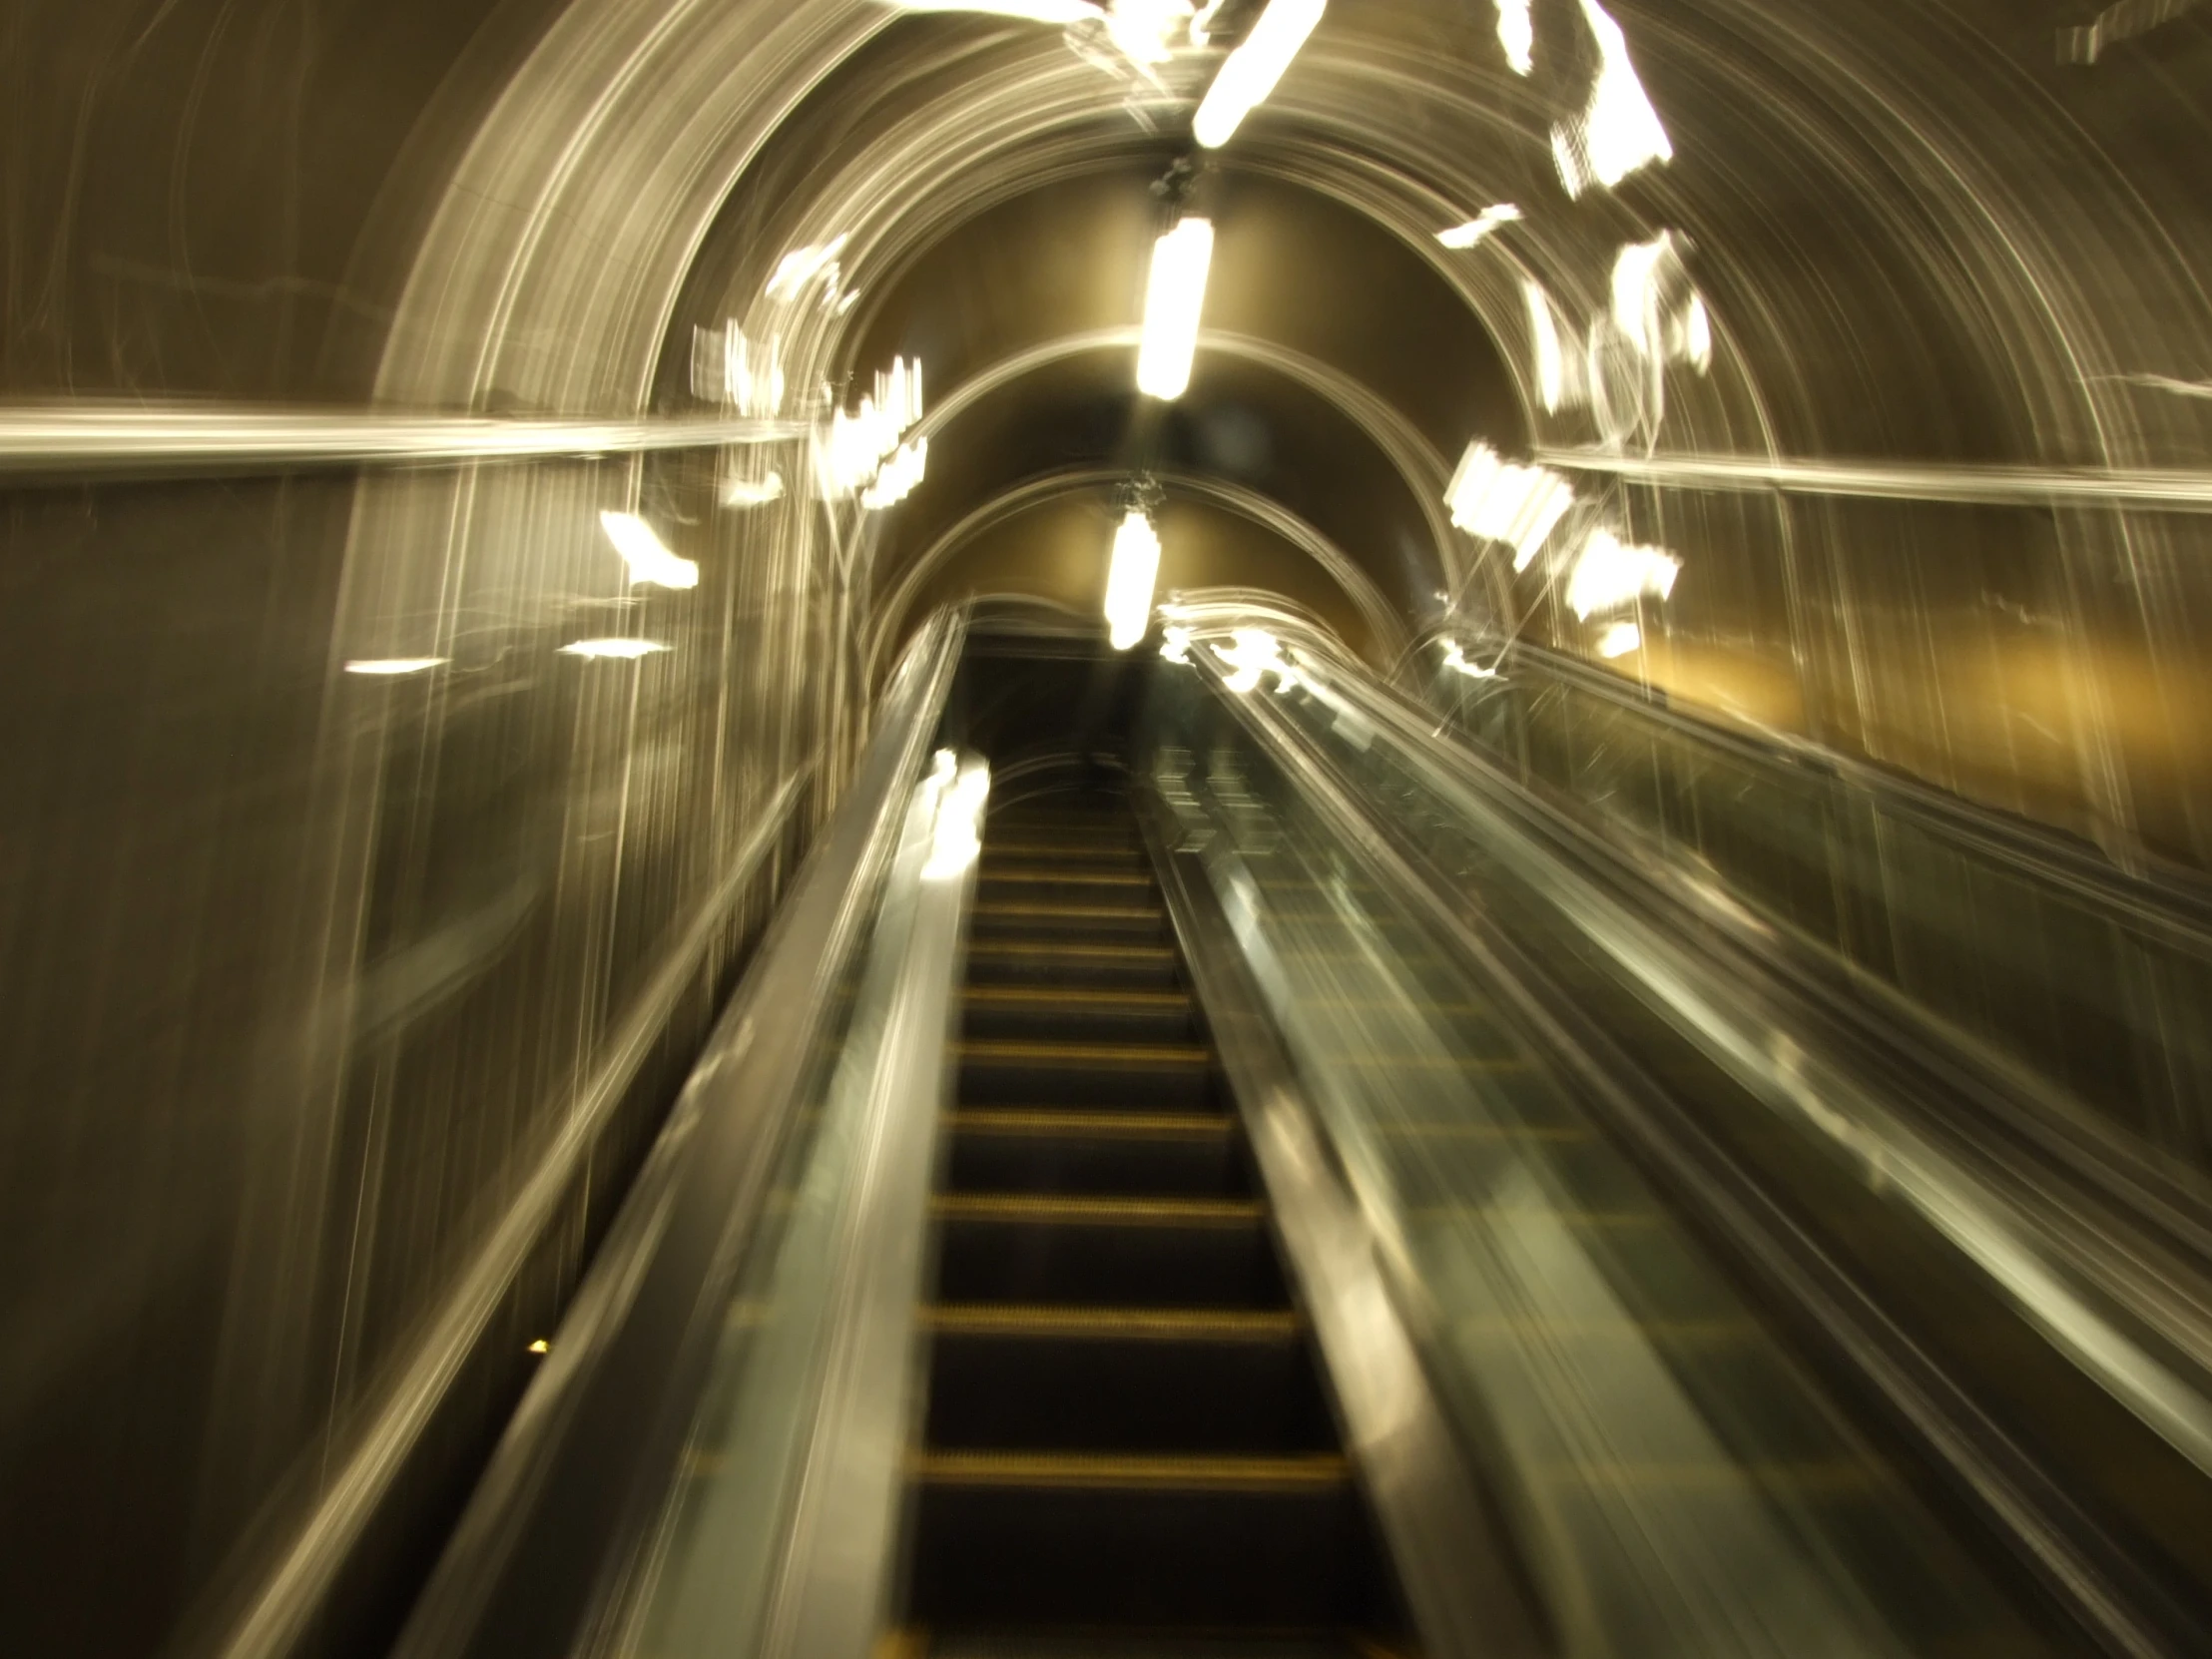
pixel 1160 1076
pixel 1066 961
pixel 1096 1472
pixel 1074 1012
pixel 1104 924
pixel 1124 1379
pixel 1168 1154
pixel 1148 1541
pixel 1182 1252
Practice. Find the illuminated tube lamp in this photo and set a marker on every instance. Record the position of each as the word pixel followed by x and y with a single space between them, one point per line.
pixel 1174 295
pixel 1129 580
pixel 1250 73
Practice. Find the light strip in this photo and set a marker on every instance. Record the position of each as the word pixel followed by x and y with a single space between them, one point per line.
pixel 1250 73
pixel 1174 295
pixel 1130 579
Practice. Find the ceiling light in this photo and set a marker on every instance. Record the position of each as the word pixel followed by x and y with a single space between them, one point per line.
pixel 1480 226
pixel 1610 574
pixel 1248 74
pixel 753 492
pixel 612 648
pixel 1619 640
pixel 1174 295
pixel 1130 579
pixel 1517 33
pixel 1619 130
pixel 646 554
pixel 899 475
pixel 801 266
pixel 1506 503
pixel 391 664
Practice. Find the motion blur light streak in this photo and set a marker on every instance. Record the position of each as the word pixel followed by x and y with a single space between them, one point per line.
pixel 1655 308
pixel 1027 11
pixel 1173 296
pixel 1619 130
pixel 1129 579
pixel 613 648
pixel 2124 21
pixel 898 476
pixel 862 452
pixel 802 266
pixel 1251 653
pixel 1480 226
pixel 1502 501
pixel 1619 640
pixel 1558 377
pixel 648 557
pixel 1901 480
pixel 1610 573
pixel 392 665
pixel 1251 71
pixel 753 492
pixel 1458 662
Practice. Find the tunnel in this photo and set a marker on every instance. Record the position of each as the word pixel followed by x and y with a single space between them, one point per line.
pixel 1021 829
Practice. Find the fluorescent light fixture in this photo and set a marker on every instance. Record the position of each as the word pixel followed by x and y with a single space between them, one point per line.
pixel 1610 573
pixel 802 266
pixel 1517 33
pixel 1130 579
pixel 1027 11
pixel 646 554
pixel 1458 661
pixel 1697 334
pixel 612 648
pixel 391 664
pixel 1618 131
pixel 1249 73
pixel 753 492
pixel 1142 29
pixel 1174 294
pixel 898 476
pixel 1480 226
pixel 1503 501
pixel 1556 385
pixel 1619 640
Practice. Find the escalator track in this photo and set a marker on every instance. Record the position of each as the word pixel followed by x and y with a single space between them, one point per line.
pixel 1127 1433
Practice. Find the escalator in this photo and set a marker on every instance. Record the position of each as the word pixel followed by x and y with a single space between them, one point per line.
pixel 1126 1427
pixel 1168 1186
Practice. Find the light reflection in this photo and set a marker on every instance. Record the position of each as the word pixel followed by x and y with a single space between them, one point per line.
pixel 802 266
pixel 392 665
pixel 1619 640
pixel 753 492
pixel 1516 35
pixel 621 648
pixel 1480 226
pixel 1558 378
pixel 1655 307
pixel 862 452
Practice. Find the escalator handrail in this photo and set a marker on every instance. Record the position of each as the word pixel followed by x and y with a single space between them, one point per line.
pixel 2168 902
pixel 2018 1498
pixel 579 1473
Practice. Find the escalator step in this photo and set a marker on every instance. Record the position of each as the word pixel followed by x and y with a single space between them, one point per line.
pixel 1154 1076
pixel 1075 1012
pixel 1214 1541
pixel 1124 1379
pixel 1062 1150
pixel 1101 922
pixel 1062 961
pixel 1183 1253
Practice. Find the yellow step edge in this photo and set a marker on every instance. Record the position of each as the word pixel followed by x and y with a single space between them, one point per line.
pixel 1165 1324
pixel 1095 1055
pixel 1122 1212
pixel 1076 994
pixel 1027 947
pixel 1135 1126
pixel 1319 1472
